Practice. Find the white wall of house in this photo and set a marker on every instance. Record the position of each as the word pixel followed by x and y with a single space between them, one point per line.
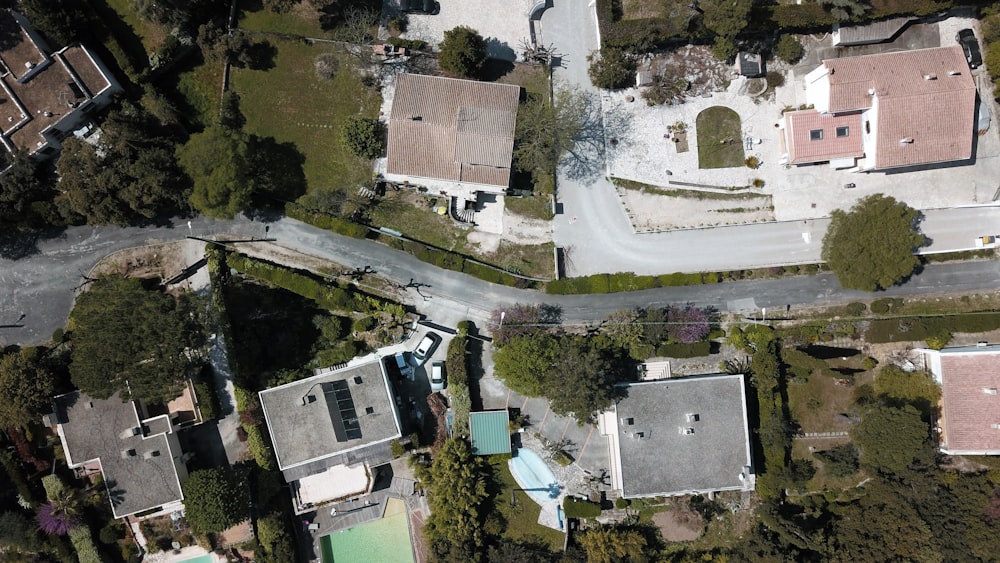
pixel 869 136
pixel 818 88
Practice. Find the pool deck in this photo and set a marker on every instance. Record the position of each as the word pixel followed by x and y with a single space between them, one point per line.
pixel 570 478
pixel 350 514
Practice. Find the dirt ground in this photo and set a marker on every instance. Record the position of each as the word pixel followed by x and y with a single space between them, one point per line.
pixel 156 261
pixel 679 524
pixel 650 212
pixel 516 229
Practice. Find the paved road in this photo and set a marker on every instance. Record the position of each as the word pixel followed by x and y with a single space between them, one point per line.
pixel 598 237
pixel 42 287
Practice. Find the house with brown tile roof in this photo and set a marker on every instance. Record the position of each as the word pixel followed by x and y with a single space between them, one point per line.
pixel 911 108
pixel 450 135
pixel 969 420
pixel 45 96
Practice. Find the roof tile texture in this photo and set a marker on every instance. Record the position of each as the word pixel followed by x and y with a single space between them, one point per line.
pixel 969 411
pixel 802 149
pixel 457 130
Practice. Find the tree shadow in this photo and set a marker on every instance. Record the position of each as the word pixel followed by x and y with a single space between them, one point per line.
pixel 586 160
pixel 278 167
pixel 497 49
pixel 261 55
pixel 18 244
pixel 495 69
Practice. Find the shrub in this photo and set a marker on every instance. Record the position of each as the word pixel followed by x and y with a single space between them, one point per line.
pixel 580 508
pixel 333 224
pixel 275 540
pixel 364 324
pixel 856 309
pixel 397 448
pixel 938 340
pixel 208 402
pixel 621 503
pixel 612 68
pixel 681 350
pixel 260 447
pixel 327 65
pixel 788 49
pixel 463 51
pixel 751 162
pixel 801 17
pixel 83 543
pixel 840 461
pixel 886 305
pixel 364 137
pixel 411 44
pixel 562 458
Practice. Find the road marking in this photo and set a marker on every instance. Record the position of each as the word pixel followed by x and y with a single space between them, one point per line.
pixel 544 416
pixel 585 442
pixel 565 430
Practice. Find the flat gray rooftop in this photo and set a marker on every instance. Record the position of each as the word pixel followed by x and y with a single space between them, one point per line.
pixel 329 414
pixel 138 468
pixel 683 435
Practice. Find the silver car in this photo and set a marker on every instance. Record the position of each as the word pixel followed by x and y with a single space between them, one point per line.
pixel 437 376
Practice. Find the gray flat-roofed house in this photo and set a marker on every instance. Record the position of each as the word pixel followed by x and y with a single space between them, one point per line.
pixel 679 436
pixel 140 457
pixel 342 417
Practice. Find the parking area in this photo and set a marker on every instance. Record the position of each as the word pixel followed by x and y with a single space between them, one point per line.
pixel 504 29
pixel 641 149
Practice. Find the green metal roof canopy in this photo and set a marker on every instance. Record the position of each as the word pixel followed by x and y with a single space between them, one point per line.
pixel 490 433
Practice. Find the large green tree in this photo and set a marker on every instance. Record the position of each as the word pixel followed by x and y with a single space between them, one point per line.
pixel 460 500
pixel 545 131
pixel 727 19
pixel 525 361
pixel 872 246
pixel 26 388
pixel 891 438
pixel 215 499
pixel 582 380
pixel 612 544
pixel 463 51
pixel 216 160
pixel 125 335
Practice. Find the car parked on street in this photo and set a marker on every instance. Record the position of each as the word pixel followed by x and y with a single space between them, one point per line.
pixel 967 39
pixel 437 376
pixel 426 348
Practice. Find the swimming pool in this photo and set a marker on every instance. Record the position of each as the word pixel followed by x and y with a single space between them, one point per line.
pixel 387 539
pixel 207 558
pixel 534 477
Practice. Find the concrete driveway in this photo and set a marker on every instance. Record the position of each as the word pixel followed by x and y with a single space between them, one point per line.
pixel 504 29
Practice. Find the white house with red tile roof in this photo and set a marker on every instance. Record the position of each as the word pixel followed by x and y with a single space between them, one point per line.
pixel 969 422
pixel 906 109
pixel 450 135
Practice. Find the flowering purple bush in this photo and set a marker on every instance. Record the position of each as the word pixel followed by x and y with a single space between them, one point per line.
pixel 52 520
pixel 522 319
pixel 687 324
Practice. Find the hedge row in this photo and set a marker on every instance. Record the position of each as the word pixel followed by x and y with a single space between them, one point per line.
pixel 580 508
pixel 457 363
pixel 275 539
pixel 332 224
pixel 83 543
pixel 326 294
pixel 625 281
pixel 682 350
pixel 922 328
pixel 208 401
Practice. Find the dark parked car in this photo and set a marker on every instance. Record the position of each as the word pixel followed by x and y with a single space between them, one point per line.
pixel 967 39
pixel 420 7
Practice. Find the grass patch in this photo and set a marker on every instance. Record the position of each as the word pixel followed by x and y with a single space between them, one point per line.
pixel 152 35
pixel 533 207
pixel 303 20
pixel 522 517
pixel 816 403
pixel 822 480
pixel 720 144
pixel 291 104
pixel 414 215
pixel 535 260
pixel 201 87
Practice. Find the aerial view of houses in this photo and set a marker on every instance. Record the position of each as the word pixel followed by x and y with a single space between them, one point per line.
pixel 447 280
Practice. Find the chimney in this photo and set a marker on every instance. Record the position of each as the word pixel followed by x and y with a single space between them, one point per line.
pixel 930 77
pixel 953 73
pixel 906 141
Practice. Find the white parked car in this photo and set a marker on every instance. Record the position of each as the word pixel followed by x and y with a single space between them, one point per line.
pixel 426 348
pixel 437 376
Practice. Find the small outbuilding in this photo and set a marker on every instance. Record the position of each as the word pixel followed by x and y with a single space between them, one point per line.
pixel 750 65
pixel 490 432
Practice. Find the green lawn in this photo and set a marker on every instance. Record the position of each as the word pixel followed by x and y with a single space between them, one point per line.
pixel 302 20
pixel 720 144
pixel 522 518
pixel 290 103
pixel 533 207
pixel 150 34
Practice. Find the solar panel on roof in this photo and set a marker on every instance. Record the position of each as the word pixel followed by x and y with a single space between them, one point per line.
pixel 342 412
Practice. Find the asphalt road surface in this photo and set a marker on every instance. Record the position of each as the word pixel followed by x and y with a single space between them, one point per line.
pixel 37 292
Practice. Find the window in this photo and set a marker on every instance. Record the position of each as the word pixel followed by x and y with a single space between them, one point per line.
pixel 843 131
pixel 816 135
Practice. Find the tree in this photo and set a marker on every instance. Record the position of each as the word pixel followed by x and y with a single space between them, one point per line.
pixel 26 388
pixel 916 388
pixel 611 544
pixel 463 51
pixel 687 324
pixel 274 539
pixel 582 380
pixel 890 438
pixel 839 461
pixel 788 49
pixel 523 363
pixel 726 18
pixel 20 187
pixel 545 132
pixel 459 496
pixel 216 160
pixel 17 534
pixel 214 500
pixel 230 116
pixel 625 331
pixel 364 137
pixel 871 246
pixel 123 332
pixel 611 68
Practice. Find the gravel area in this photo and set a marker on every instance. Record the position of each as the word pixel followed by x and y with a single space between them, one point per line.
pixel 504 29
pixel 650 212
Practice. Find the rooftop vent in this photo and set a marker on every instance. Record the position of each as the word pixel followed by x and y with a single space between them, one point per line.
pixel 369 410
pixel 953 73
pixel 693 417
pixel 357 380
pixel 990 390
pixel 982 344
pixel 871 91
pixel 151 454
pixel 640 435
pixel 995 426
pixel 930 77
pixel 128 453
pixel 417 118
pixel 308 399
pixel 686 430
pixel 628 421
pixel 906 141
pixel 88 405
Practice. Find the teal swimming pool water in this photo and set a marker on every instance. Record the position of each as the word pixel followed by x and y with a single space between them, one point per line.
pixel 386 540
pixel 534 477
pixel 207 558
